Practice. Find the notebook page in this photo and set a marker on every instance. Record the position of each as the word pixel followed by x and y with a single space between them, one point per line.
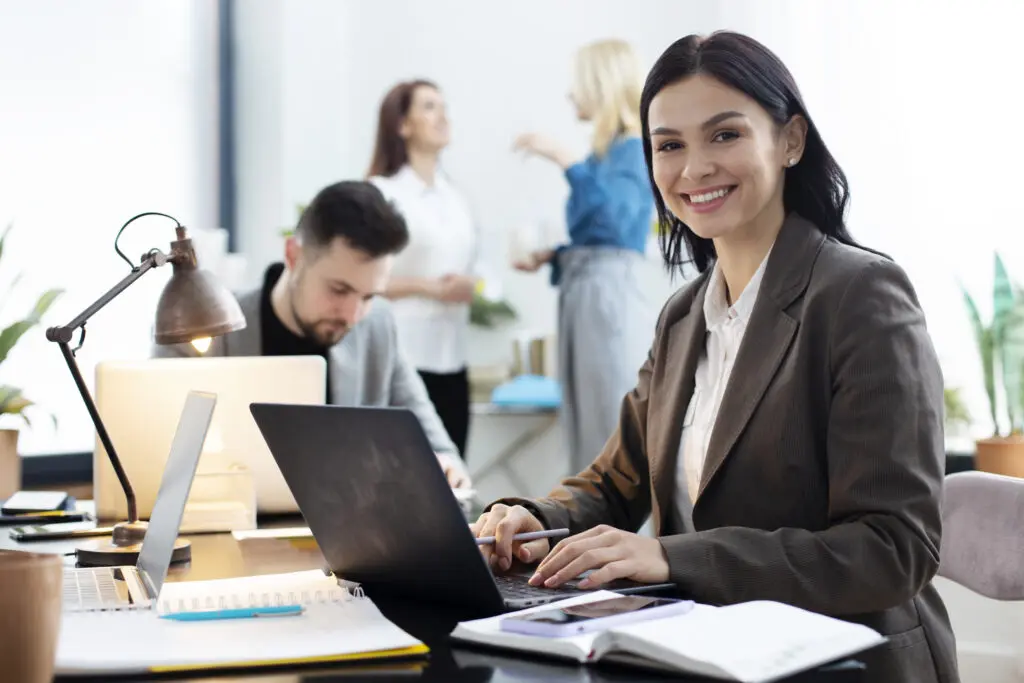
pixel 751 642
pixel 488 632
pixel 146 642
pixel 302 588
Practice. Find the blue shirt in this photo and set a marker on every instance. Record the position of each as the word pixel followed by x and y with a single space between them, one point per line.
pixel 610 202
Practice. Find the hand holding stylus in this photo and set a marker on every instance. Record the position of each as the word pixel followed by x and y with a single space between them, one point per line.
pixel 503 523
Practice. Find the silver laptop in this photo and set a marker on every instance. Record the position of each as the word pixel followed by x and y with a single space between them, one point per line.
pixel 105 588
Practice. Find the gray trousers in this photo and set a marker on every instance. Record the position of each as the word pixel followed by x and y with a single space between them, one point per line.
pixel 605 330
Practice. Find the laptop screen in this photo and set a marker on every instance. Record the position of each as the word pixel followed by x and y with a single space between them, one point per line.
pixel 165 521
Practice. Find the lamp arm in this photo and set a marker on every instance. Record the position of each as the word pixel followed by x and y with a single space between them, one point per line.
pixel 63 335
pixel 153 259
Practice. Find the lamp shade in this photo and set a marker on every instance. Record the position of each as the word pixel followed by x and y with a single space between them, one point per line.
pixel 194 304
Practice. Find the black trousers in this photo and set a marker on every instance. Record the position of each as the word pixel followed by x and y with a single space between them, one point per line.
pixel 450 395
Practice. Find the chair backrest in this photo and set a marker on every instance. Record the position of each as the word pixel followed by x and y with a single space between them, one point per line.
pixel 983 534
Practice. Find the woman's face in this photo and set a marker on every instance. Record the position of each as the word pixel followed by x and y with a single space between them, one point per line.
pixel 718 158
pixel 425 127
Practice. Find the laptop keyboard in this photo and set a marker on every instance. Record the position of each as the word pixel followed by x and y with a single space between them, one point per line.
pixel 94 589
pixel 516 587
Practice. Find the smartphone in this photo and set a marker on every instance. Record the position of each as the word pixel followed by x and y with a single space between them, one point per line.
pixel 593 616
pixel 23 502
pixel 58 532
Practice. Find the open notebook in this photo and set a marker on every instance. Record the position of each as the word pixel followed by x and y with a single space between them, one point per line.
pixel 753 642
pixel 338 624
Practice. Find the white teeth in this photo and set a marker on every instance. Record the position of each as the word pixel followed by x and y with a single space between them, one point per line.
pixel 709 196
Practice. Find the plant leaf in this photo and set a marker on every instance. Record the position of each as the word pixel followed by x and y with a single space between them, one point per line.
pixel 955 410
pixel 1002 299
pixel 13 332
pixel 8 394
pixel 986 347
pixel 15 405
pixel 44 303
pixel 1011 359
pixel 10 336
pixel 3 237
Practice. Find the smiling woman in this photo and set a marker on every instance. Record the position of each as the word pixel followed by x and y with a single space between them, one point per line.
pixel 754 133
pixel 785 434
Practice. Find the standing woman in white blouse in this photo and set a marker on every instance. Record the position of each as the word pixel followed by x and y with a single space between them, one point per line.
pixel 434 278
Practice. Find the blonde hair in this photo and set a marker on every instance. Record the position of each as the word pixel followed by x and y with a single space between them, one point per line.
pixel 607 86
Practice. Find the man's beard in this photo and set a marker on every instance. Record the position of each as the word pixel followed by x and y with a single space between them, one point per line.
pixel 325 333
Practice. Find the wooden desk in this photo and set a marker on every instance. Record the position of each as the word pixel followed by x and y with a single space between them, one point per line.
pixel 217 556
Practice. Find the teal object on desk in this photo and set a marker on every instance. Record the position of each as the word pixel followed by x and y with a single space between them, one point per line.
pixel 244 613
pixel 528 390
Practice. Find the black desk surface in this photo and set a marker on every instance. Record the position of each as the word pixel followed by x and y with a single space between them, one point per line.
pixel 216 556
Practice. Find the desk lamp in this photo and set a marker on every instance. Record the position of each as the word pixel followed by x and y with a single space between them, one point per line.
pixel 193 306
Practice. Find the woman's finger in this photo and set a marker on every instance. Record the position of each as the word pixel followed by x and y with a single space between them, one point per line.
pixel 485 527
pixel 618 569
pixel 532 551
pixel 517 519
pixel 584 536
pixel 560 558
pixel 591 559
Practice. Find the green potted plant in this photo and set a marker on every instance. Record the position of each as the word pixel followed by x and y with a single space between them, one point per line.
pixel 1001 347
pixel 12 399
pixel 489 313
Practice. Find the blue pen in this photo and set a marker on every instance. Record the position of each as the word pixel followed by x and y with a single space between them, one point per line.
pixel 243 613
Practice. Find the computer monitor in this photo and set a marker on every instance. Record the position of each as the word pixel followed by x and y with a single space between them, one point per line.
pixel 140 401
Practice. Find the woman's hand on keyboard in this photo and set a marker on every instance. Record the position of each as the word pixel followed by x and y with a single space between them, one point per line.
pixel 503 522
pixel 608 553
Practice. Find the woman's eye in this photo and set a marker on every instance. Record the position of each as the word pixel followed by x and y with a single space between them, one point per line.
pixel 668 146
pixel 725 136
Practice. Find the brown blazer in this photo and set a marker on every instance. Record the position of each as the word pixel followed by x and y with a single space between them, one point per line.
pixel 822 480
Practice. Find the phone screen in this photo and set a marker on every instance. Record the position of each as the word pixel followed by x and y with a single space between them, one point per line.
pixel 596 610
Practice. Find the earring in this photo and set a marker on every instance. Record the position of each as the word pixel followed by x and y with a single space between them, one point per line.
pixel 791 162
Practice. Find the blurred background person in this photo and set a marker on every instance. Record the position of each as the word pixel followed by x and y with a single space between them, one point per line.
pixel 605 323
pixel 435 277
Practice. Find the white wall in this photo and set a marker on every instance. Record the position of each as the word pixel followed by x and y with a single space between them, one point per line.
pixel 915 99
pixel 108 110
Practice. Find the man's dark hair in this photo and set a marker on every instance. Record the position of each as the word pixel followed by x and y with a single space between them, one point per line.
pixel 357 212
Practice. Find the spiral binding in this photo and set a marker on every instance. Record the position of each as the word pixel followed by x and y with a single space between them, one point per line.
pixel 338 594
pixel 253 599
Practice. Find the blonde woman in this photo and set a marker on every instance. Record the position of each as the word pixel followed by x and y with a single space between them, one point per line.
pixel 605 323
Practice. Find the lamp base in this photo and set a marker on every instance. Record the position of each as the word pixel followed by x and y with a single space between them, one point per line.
pixel 123 550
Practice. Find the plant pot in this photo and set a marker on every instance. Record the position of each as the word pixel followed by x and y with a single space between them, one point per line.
pixel 10 463
pixel 1002 455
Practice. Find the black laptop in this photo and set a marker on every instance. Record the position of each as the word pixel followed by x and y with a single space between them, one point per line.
pixel 381 510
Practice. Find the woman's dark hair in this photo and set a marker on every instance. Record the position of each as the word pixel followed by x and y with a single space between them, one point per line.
pixel 389 151
pixel 816 188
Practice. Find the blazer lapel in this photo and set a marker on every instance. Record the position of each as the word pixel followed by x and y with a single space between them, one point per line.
pixel 683 350
pixel 769 334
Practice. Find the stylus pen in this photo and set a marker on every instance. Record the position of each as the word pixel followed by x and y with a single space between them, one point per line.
pixel 528 536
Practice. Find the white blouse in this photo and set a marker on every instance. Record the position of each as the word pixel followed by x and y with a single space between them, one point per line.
pixel 442 239
pixel 725 328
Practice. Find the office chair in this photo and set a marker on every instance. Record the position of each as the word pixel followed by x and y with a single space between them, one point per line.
pixel 983 534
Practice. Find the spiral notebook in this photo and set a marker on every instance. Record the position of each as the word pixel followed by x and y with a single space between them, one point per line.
pixel 339 624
